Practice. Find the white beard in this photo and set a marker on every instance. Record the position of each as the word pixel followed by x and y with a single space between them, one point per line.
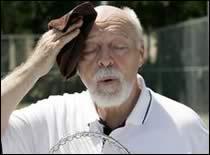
pixel 110 95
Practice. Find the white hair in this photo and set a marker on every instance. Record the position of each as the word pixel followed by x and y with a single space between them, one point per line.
pixel 135 21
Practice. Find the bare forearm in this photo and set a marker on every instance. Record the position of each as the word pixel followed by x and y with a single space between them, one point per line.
pixel 13 88
pixel 16 85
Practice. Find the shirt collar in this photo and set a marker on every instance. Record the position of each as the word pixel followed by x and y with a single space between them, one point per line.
pixel 139 114
pixel 93 118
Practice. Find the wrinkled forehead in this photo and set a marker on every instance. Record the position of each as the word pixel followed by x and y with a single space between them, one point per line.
pixel 111 19
pixel 106 12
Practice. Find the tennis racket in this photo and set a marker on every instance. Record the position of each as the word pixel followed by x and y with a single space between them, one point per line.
pixel 88 143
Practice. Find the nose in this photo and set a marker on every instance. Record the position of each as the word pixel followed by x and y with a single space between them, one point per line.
pixel 105 59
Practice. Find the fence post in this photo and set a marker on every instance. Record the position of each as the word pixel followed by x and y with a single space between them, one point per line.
pixel 29 46
pixel 12 53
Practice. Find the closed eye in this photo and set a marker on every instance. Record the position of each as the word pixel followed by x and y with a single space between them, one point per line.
pixel 89 51
pixel 120 47
pixel 90 48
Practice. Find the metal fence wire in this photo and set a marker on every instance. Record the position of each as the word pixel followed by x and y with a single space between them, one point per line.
pixel 181 69
pixel 177 66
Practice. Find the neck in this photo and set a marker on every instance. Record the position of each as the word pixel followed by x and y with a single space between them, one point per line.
pixel 115 116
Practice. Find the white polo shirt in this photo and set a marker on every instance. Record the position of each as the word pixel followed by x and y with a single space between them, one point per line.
pixel 156 125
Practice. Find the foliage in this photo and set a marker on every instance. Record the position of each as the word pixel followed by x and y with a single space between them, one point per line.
pixel 33 16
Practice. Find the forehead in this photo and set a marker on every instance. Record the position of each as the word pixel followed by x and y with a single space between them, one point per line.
pixel 113 20
pixel 109 29
pixel 106 12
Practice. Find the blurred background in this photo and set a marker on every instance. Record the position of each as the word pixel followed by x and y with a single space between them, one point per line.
pixel 176 38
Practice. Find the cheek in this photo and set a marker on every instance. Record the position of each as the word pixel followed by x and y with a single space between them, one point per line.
pixel 129 66
pixel 135 64
pixel 84 66
pixel 85 72
pixel 133 67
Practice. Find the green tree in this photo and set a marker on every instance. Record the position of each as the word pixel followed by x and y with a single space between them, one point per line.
pixel 33 16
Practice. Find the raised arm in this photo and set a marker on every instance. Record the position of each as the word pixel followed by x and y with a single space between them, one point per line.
pixel 18 83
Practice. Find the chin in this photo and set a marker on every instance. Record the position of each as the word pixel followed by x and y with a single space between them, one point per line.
pixel 107 102
pixel 106 98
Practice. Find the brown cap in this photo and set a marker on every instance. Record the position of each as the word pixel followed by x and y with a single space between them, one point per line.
pixel 69 55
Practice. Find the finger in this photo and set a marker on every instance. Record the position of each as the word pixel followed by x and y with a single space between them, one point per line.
pixel 48 36
pixel 50 33
pixel 72 28
pixel 56 32
pixel 78 24
pixel 55 35
pixel 67 38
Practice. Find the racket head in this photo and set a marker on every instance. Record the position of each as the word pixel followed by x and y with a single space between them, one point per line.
pixel 88 143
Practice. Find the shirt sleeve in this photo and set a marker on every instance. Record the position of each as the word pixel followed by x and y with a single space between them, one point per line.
pixel 25 128
pixel 198 135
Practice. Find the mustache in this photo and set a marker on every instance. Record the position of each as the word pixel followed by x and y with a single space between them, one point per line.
pixel 102 73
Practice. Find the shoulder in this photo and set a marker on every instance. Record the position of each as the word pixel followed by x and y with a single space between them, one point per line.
pixel 175 108
pixel 44 118
pixel 183 119
pixel 51 106
pixel 60 100
pixel 182 115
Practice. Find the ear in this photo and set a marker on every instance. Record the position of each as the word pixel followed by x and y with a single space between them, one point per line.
pixel 141 50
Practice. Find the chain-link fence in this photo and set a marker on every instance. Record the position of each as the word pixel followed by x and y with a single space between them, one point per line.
pixel 177 66
pixel 15 50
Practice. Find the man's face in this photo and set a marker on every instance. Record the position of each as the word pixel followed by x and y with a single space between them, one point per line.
pixel 110 61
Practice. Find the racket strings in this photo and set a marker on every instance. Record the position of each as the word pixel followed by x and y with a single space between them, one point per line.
pixel 90 143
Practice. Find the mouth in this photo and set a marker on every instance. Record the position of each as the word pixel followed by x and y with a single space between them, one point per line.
pixel 107 80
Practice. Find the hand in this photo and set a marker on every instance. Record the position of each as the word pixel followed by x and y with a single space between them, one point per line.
pixel 48 48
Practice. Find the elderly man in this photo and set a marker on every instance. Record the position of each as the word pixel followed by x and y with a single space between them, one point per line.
pixel 116 97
